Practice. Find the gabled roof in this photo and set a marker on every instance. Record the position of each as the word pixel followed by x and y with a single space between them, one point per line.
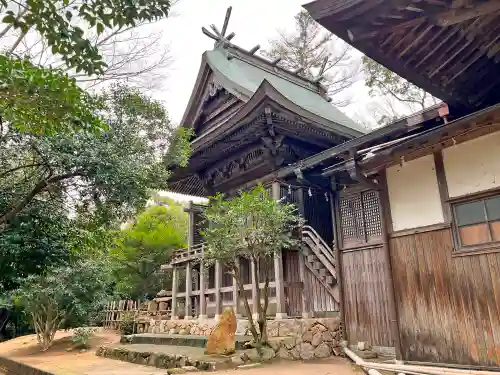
pixel 241 74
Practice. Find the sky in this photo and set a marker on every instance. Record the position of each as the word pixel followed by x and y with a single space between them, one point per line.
pixel 253 22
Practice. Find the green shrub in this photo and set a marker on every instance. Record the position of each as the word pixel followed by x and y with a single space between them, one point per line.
pixel 81 336
pixel 126 325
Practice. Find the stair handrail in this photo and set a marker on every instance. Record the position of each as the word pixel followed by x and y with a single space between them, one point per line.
pixel 325 249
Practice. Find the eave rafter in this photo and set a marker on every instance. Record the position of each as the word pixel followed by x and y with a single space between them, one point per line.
pixel 450 48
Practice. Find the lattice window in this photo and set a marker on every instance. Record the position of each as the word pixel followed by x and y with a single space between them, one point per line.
pixel 360 218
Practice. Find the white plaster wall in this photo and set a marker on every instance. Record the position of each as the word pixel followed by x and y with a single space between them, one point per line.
pixel 414 194
pixel 473 166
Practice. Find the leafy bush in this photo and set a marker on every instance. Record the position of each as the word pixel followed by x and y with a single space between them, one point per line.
pixel 61 295
pixel 126 325
pixel 81 336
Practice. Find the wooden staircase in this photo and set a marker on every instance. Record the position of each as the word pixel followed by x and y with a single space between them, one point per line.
pixel 320 260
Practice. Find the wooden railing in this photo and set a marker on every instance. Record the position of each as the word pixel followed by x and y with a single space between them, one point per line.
pixel 188 254
pixel 320 248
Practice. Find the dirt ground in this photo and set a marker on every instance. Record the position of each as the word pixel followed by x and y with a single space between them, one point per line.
pixel 62 362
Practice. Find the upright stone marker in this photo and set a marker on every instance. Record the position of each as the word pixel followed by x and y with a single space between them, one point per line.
pixel 221 340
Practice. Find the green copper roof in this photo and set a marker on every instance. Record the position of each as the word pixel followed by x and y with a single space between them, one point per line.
pixel 244 78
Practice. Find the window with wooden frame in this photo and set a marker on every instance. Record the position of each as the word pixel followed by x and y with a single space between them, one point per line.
pixel 477 223
pixel 360 219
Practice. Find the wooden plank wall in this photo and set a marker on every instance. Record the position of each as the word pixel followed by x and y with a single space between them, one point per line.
pixel 448 306
pixel 365 289
pixel 293 289
pixel 321 300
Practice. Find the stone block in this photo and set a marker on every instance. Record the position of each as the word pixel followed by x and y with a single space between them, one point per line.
pixel 307 336
pixel 190 368
pixel 249 365
pixel 322 351
pixel 290 327
pixel 275 343
pixel 363 345
pixel 289 342
pixel 306 351
pixel 273 327
pixel 327 336
pixel 366 354
pixel 317 339
pixel 333 324
pixel 283 353
pixel 221 340
pixel 175 370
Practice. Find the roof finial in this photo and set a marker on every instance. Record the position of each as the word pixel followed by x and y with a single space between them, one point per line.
pixel 220 36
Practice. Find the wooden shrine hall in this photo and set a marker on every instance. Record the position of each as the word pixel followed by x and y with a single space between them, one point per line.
pixel 402 235
pixel 251 118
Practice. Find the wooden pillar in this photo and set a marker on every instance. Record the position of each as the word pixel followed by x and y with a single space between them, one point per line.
pixel 278 269
pixel 191 224
pixel 189 281
pixel 307 309
pixel 203 305
pixel 337 230
pixel 384 207
pixel 175 276
pixel 236 299
pixel 278 282
pixel 218 285
pixel 255 309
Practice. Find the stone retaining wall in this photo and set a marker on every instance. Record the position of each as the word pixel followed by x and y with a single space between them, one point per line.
pixel 12 367
pixel 290 338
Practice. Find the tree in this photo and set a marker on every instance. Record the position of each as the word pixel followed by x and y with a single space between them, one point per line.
pixel 383 82
pixel 38 99
pixel 253 226
pixel 142 248
pixel 58 23
pixel 313 51
pixel 108 175
pixel 37 239
pixel 61 294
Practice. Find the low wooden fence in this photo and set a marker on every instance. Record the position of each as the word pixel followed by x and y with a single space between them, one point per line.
pixel 115 310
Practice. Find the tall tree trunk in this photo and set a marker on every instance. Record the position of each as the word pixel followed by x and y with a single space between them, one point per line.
pixel 237 277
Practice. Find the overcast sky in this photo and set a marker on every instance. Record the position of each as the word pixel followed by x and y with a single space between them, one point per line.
pixel 254 22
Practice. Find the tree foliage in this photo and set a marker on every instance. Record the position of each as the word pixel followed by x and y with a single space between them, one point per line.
pixel 62 294
pixel 254 226
pixel 308 48
pixel 58 23
pixel 142 248
pixel 383 81
pixel 41 100
pixel 108 174
pixel 38 99
pixel 37 239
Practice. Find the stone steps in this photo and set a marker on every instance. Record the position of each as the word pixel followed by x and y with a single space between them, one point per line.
pixel 169 357
pixel 177 340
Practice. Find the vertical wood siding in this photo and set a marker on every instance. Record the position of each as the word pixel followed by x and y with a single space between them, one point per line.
pixel 448 307
pixel 321 301
pixel 293 288
pixel 365 289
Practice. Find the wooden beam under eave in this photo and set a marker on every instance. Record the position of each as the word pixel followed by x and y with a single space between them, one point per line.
pixel 444 19
pixel 459 15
